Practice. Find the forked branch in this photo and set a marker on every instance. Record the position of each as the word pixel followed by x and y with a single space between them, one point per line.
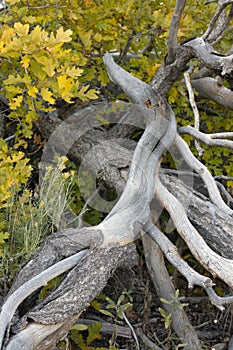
pixel 173 31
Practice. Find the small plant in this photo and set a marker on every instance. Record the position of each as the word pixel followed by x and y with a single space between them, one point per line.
pixel 84 335
pixel 118 309
pixel 93 333
pixel 175 303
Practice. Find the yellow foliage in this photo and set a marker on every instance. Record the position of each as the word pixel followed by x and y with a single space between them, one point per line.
pixel 47 95
pixel 49 67
pixel 73 72
pixel 21 29
pixel 16 102
pixel 65 85
pixel 25 62
pixel 41 66
pixel 63 36
pixel 12 2
pixel 32 91
pixel 14 170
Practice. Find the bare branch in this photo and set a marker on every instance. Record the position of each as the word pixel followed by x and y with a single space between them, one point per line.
pixel 137 91
pixel 124 53
pixel 214 225
pixel 165 289
pixel 32 336
pixel 193 105
pixel 132 330
pixel 133 207
pixel 30 286
pixel 202 170
pixel 210 58
pixel 213 262
pixel 193 277
pixel 172 254
pixel 208 139
pixel 222 4
pixel 174 27
pixel 222 135
pixel 192 97
pixel 227 195
pixel 167 74
pixel 146 340
pixel 214 90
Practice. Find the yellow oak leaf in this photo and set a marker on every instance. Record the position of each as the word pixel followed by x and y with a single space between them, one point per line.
pixel 47 95
pixel 49 67
pixel 16 102
pixel 21 29
pixel 73 72
pixel 36 35
pixel 25 62
pixel 65 84
pixel 63 36
pixel 32 91
pixel 7 34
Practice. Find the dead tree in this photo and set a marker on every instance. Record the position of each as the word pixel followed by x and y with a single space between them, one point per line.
pixel 89 255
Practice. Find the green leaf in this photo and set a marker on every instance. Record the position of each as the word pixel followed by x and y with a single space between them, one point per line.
pixel 122 309
pixel 96 305
pixel 94 332
pixel 165 301
pixel 168 321
pixel 3 237
pixel 86 94
pixel 107 313
pixel 77 338
pixel 162 312
pixel 120 299
pixel 79 327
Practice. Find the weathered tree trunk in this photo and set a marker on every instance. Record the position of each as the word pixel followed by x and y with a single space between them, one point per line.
pixel 203 221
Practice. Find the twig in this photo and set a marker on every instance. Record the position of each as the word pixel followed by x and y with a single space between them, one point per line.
pixel 202 170
pixel 147 341
pixel 208 139
pixel 108 328
pixel 192 276
pixel 80 216
pixel 229 199
pixel 9 138
pixel 222 135
pixel 223 177
pixel 173 31
pixel 126 48
pixel 133 331
pixel 193 105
